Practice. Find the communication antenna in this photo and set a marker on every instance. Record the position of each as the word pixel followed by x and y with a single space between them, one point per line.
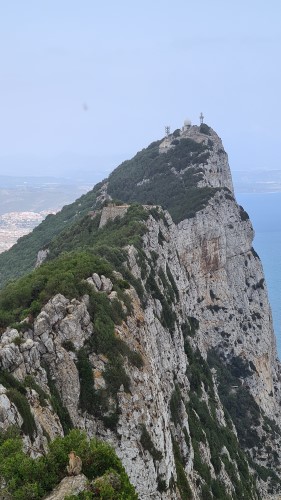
pixel 201 118
pixel 167 130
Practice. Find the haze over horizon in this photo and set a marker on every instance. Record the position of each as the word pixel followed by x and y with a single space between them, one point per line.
pixel 85 86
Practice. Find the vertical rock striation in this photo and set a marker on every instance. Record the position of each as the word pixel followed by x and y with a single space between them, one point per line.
pixel 200 414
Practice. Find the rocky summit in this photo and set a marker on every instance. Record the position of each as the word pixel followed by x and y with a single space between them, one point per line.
pixel 146 324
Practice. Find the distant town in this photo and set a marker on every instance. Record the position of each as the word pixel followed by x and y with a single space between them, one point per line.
pixel 14 225
pixel 25 202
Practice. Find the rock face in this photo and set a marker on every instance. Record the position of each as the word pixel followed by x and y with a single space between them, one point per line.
pixel 202 412
pixel 69 486
pixel 216 172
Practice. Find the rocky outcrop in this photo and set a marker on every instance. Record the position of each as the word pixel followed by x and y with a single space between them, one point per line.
pixel 216 172
pixel 69 486
pixel 207 366
pixel 41 257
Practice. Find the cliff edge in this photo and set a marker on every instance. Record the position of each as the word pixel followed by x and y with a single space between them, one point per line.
pixel 154 331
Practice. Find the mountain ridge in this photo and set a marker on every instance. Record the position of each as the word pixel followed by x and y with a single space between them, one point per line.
pixel 154 333
pixel 185 184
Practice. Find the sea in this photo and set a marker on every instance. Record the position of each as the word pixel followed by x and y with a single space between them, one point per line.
pixel 264 210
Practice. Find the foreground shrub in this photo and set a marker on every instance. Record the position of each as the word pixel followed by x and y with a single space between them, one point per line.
pixel 25 477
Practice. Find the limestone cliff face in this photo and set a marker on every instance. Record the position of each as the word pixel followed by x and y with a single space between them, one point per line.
pixel 210 367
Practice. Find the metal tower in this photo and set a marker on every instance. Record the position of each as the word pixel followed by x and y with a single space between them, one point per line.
pixel 167 130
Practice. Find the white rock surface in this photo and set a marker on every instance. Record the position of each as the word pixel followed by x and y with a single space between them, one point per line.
pixel 68 486
pixel 220 282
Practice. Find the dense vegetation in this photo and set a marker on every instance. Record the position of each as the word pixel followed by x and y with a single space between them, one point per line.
pixel 25 477
pixel 21 258
pixel 103 403
pixel 25 297
pixel 177 193
pixel 65 273
pixel 116 234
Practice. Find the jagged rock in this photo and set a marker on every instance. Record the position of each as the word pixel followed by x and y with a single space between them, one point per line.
pixel 92 283
pixel 69 486
pixel 56 308
pixel 113 295
pixel 106 284
pixel 47 419
pixel 8 412
pixel 67 381
pixel 10 357
pixel 215 276
pixel 97 281
pixel 41 257
pixel 42 324
pixel 9 336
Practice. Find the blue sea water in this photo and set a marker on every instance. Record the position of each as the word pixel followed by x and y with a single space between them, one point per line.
pixel 264 211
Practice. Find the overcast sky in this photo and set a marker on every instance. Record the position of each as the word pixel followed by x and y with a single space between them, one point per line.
pixel 86 84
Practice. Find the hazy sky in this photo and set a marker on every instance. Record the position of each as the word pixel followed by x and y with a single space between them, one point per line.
pixel 89 83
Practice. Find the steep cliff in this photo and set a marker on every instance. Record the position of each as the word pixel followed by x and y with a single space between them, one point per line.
pixel 154 331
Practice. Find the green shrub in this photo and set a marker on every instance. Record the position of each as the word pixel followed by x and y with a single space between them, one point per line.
pixel 43 396
pixel 68 345
pixel 59 408
pixel 168 289
pixel 65 275
pixel 201 467
pixel 172 281
pixel 161 485
pixel 34 478
pixel 190 327
pixel 148 445
pixel 182 481
pixel 18 341
pixel 243 214
pixel 175 405
pixel 239 403
pixel 20 401
pixel 10 382
pixel 87 399
pixel 115 376
pixel 11 432
pixel 218 490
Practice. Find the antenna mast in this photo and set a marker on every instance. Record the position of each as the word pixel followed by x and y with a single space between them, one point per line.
pixel 167 130
pixel 201 118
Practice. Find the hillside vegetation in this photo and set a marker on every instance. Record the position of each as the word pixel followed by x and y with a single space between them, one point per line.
pixel 150 178
pixel 21 258
pixel 26 477
pixel 170 180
